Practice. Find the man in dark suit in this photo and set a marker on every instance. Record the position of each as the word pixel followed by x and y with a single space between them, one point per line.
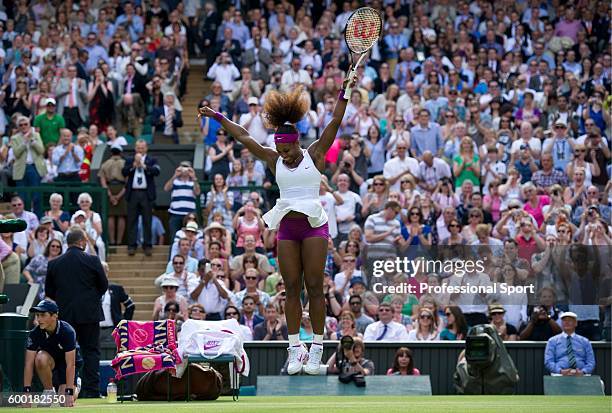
pixel 167 119
pixel 258 59
pixel 272 328
pixel 140 171
pixel 134 82
pixel 248 317
pixel 76 281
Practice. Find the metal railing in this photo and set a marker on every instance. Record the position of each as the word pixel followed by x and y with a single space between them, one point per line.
pixel 70 192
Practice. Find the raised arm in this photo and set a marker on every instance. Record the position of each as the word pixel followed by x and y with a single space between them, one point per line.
pixel 319 148
pixel 267 155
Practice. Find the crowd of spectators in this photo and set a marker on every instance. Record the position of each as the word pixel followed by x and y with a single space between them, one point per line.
pixel 477 129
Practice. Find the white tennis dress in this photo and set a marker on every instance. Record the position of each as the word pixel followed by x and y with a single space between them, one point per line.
pixel 299 191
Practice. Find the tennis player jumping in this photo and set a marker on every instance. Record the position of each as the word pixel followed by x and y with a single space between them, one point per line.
pixel 298 214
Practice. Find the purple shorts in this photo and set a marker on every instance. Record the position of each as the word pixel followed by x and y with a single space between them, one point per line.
pixel 298 229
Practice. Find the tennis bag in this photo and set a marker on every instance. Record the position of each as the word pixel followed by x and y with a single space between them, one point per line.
pixel 205 384
pixel 485 367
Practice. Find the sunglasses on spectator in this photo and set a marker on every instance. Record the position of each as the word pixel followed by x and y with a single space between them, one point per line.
pixel 166 287
pixel 513 207
pixel 231 314
pixel 401 148
pixel 424 316
pixel 454 225
pixel 474 216
pixel 55 246
pixel 379 184
pixel 355 303
pixel 399 120
pixel 559 127
pixel 172 310
pixel 384 310
pixel 250 278
pixel 579 150
pixel 178 263
pixel 349 260
pixel 415 213
pixel 197 310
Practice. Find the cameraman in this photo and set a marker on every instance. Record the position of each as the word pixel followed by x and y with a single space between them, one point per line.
pixel 347 166
pixel 541 327
pixel 348 361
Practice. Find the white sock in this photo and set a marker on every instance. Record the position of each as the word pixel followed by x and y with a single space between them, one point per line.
pixel 318 339
pixel 294 340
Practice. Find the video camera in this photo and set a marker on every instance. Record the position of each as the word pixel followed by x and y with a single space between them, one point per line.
pixel 485 367
pixel 343 364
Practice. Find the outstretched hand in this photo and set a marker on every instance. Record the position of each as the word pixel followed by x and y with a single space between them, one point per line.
pixel 350 81
pixel 205 111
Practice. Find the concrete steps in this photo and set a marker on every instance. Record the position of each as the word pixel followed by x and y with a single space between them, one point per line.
pixel 136 274
pixel 197 88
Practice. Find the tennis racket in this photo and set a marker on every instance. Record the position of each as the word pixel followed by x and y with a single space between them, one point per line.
pixel 363 29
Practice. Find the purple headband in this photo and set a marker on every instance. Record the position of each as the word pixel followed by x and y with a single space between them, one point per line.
pixel 286 137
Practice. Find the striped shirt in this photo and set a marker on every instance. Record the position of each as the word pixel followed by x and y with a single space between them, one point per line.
pixel 182 198
pixel 378 224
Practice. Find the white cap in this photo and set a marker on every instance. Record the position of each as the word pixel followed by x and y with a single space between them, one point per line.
pixel 169 282
pixel 569 314
pixel 50 101
pixel 191 226
pixel 253 101
pixel 79 213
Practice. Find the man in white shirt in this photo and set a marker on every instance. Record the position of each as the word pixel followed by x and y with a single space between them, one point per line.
pixel 400 165
pixel 329 199
pixel 253 121
pixel 473 305
pixel 186 279
pixel 526 138
pixel 295 76
pixel 431 171
pixel 224 71
pixel 346 211
pixel 385 329
pixel 209 291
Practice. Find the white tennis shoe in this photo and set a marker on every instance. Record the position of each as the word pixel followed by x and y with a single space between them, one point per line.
pixel 314 359
pixel 297 357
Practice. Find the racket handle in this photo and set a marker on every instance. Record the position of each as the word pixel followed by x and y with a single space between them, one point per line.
pixel 349 90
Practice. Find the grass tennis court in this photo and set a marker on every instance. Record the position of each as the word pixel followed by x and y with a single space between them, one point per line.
pixel 369 404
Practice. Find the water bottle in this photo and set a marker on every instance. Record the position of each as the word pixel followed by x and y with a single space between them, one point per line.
pixel 111 392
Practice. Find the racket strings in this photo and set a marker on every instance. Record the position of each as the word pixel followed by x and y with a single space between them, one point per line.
pixel 363 30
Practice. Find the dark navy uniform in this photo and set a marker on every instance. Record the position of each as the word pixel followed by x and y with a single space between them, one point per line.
pixel 57 345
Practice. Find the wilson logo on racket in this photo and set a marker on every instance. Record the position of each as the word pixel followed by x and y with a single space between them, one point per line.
pixel 363 30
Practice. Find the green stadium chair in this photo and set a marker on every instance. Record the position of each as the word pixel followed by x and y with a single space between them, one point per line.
pixel 148 138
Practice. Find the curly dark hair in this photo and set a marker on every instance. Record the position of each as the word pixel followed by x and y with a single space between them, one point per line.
pixel 283 108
